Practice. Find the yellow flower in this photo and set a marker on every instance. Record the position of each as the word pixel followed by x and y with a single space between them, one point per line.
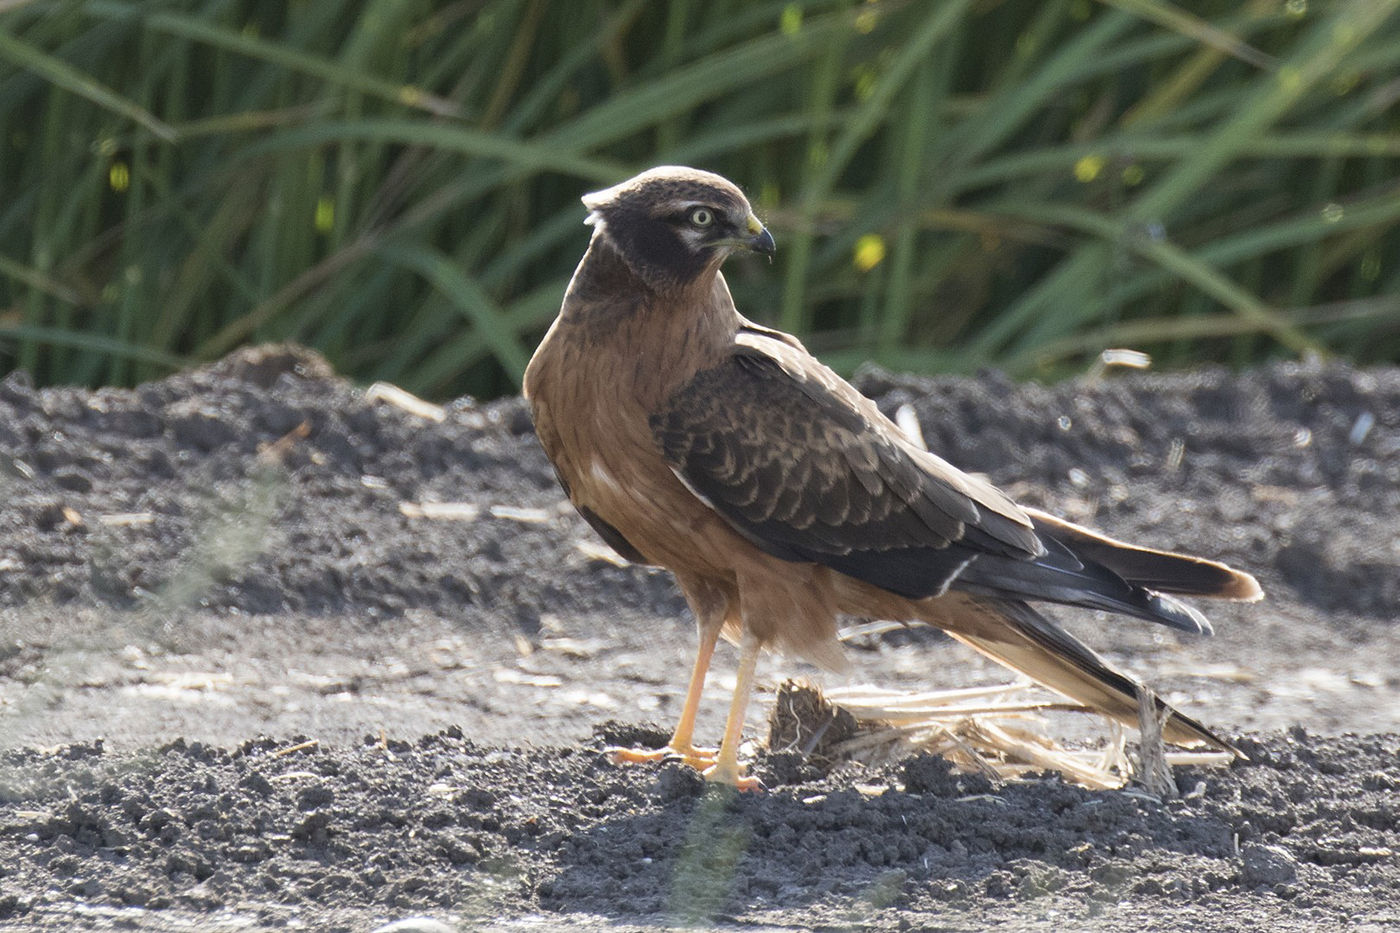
pixel 1088 168
pixel 119 176
pixel 869 252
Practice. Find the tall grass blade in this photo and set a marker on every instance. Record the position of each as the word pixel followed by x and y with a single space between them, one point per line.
pixel 60 74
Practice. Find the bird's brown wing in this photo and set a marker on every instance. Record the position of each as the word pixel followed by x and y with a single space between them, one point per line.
pixel 807 469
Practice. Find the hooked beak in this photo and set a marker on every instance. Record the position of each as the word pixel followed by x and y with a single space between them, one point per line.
pixel 763 243
pixel 760 240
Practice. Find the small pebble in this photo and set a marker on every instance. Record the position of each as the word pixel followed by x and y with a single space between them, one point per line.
pixel 1267 865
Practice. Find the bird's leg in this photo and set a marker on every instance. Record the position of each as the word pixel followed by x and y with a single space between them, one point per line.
pixel 726 769
pixel 681 745
pixel 682 741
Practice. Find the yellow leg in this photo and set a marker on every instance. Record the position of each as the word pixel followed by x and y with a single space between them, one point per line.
pixel 681 741
pixel 726 769
pixel 681 744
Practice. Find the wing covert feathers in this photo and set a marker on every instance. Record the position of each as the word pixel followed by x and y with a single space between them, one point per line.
pixel 807 469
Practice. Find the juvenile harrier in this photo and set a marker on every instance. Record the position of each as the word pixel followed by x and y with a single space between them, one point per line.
pixel 781 498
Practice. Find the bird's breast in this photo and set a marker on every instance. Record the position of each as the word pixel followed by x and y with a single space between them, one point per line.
pixel 596 431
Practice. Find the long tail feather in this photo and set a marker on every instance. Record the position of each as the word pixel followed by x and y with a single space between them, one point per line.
pixel 1026 641
pixel 1164 571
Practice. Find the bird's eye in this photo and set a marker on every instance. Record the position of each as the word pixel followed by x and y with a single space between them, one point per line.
pixel 702 217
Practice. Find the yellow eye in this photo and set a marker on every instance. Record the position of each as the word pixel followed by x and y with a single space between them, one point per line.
pixel 702 217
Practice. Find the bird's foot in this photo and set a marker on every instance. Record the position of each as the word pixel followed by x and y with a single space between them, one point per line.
pixel 698 758
pixel 732 773
pixel 704 760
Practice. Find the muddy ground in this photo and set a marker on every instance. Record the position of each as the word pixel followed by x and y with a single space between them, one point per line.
pixel 245 684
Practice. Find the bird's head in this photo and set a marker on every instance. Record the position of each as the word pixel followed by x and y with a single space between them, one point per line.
pixel 673 224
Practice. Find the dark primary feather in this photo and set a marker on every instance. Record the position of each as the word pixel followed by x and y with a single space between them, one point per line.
pixel 1063 576
pixel 612 536
pixel 801 469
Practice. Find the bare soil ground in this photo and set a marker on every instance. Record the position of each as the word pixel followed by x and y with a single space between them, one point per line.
pixel 243 688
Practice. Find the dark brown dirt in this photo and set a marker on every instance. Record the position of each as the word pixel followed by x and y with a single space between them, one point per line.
pixel 169 595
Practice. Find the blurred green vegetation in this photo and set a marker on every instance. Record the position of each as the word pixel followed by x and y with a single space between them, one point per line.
pixel 953 184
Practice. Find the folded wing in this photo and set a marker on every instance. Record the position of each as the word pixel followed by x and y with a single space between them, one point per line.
pixel 807 469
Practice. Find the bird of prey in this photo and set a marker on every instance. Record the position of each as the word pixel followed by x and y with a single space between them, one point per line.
pixel 695 440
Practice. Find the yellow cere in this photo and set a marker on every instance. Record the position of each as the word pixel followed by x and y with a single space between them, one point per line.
pixel 755 225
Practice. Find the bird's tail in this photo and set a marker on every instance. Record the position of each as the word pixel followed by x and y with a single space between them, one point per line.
pixel 1015 635
pixel 1081 567
pixel 1161 571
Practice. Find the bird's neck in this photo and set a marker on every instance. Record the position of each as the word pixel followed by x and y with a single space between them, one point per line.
pixel 680 329
pixel 605 281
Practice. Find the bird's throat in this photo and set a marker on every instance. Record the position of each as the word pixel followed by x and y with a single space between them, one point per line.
pixel 647 342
